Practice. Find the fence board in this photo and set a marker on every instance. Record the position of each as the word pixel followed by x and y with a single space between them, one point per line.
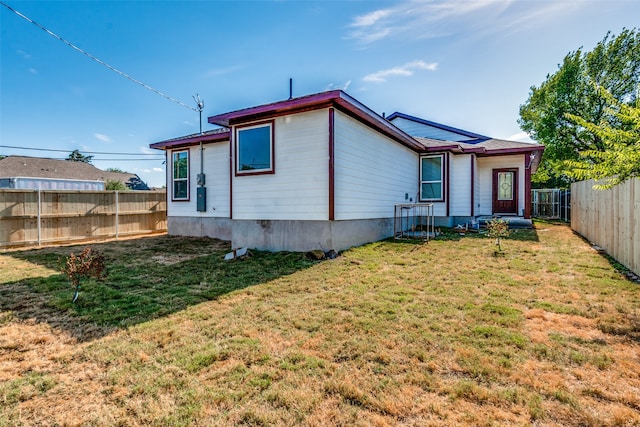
pixel 67 215
pixel 610 219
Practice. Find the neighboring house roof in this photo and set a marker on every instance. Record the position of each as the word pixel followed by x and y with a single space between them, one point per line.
pixel 38 167
pixel 429 129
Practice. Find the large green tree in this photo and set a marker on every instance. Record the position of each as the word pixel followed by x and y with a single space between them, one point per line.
pixel 77 156
pixel 572 91
pixel 620 160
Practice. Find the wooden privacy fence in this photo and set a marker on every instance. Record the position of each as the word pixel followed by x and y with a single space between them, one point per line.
pixel 37 217
pixel 610 219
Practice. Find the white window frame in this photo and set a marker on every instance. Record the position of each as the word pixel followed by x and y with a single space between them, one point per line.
pixel 174 179
pixel 441 180
pixel 272 161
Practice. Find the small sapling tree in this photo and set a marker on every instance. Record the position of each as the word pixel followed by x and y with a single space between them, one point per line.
pixel 498 228
pixel 86 264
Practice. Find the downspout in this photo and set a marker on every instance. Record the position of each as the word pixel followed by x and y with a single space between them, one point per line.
pixel 473 185
pixel 527 184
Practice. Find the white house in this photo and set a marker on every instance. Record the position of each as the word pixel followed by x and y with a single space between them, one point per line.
pixel 325 171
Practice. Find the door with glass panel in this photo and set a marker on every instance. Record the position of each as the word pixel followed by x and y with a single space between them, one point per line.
pixel 505 191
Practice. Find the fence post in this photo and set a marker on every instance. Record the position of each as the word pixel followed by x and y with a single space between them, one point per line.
pixel 117 217
pixel 39 217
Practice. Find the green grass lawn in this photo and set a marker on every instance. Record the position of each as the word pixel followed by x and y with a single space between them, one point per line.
pixel 391 333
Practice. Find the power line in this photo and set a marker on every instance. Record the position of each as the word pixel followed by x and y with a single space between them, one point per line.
pixel 84 152
pixel 116 160
pixel 99 61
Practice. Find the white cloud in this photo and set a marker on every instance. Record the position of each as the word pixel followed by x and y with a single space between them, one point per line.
pixel 215 72
pixel 344 86
pixel 24 54
pixel 520 137
pixel 370 18
pixel 372 26
pixel 437 18
pixel 102 137
pixel 401 70
pixel 147 150
pixel 33 71
pixel 158 170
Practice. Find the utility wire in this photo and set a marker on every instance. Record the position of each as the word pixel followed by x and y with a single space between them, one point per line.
pixel 123 74
pixel 87 152
pixel 93 159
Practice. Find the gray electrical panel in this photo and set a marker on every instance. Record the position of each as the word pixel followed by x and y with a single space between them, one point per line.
pixel 201 202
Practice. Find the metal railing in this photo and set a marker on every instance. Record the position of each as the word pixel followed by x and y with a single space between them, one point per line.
pixel 413 221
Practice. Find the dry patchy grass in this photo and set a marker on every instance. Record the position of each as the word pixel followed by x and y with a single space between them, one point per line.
pixel 443 333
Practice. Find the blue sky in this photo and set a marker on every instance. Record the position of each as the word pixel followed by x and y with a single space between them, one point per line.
pixel 467 64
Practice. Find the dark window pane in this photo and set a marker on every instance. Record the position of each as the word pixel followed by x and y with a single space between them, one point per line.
pixel 180 189
pixel 432 190
pixel 254 148
pixel 431 169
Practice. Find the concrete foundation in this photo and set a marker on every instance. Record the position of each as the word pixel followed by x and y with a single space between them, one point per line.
pixel 302 236
pixel 285 235
pixel 219 228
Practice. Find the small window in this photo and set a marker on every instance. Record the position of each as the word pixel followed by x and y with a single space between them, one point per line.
pixel 432 178
pixel 254 149
pixel 180 175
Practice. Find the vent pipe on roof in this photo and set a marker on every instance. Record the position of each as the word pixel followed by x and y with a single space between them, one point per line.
pixel 290 88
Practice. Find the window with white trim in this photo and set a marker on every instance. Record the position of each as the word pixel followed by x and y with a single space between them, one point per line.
pixel 254 149
pixel 432 178
pixel 180 175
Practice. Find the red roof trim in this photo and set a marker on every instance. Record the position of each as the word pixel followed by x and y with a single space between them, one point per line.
pixel 277 108
pixel 443 148
pixel 190 140
pixel 335 98
pixel 518 150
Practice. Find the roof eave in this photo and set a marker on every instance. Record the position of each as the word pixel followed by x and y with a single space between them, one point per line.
pixel 191 140
pixel 335 98
pixel 274 109
pixel 451 148
pixel 514 150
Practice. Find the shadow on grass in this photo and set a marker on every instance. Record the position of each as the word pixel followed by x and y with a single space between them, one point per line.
pixel 521 234
pixel 147 278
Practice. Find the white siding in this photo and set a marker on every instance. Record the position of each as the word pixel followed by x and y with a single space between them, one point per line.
pixel 299 189
pixel 372 172
pixel 460 185
pixel 426 131
pixel 216 169
pixel 486 165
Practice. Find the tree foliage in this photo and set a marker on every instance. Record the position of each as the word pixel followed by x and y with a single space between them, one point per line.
pixel 620 160
pixel 498 228
pixel 86 264
pixel 572 91
pixel 77 156
pixel 115 185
